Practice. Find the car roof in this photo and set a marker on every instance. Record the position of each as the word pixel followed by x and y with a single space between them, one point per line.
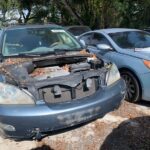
pixel 32 26
pixel 114 30
pixel 77 26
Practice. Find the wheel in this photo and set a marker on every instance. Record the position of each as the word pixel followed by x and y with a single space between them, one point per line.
pixel 133 88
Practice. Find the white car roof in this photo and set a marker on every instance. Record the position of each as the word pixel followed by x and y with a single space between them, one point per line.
pixel 114 30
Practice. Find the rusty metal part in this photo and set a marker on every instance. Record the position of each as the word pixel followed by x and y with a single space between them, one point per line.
pixel 84 51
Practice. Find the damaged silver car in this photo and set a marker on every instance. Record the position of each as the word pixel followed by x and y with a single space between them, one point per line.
pixel 49 82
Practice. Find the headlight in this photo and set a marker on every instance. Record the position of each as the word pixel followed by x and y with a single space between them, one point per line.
pixel 112 75
pixel 10 94
pixel 147 63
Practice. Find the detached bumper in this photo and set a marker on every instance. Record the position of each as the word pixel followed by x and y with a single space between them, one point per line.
pixel 25 121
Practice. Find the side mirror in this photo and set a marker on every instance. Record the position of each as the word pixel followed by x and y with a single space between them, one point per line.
pixel 82 43
pixel 104 47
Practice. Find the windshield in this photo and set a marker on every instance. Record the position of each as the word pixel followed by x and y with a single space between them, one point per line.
pixel 32 40
pixel 131 39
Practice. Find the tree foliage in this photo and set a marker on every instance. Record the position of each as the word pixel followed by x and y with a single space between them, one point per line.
pixel 94 13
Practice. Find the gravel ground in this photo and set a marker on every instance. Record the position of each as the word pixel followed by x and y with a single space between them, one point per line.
pixel 127 128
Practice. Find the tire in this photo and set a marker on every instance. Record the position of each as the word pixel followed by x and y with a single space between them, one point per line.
pixel 133 93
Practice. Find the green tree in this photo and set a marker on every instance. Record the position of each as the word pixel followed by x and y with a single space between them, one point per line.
pixel 94 13
pixel 6 7
pixel 33 10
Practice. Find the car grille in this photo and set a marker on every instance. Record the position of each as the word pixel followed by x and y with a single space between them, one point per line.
pixel 69 93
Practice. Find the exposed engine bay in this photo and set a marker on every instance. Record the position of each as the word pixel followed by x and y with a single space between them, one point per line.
pixel 56 71
pixel 49 72
pixel 57 79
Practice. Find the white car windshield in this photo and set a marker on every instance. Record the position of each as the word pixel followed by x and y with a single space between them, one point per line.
pixel 32 40
pixel 131 39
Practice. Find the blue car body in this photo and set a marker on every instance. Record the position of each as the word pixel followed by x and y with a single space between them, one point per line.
pixel 128 59
pixel 72 89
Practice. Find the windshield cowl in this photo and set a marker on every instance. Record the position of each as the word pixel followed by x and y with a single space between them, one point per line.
pixel 47 53
pixel 15 59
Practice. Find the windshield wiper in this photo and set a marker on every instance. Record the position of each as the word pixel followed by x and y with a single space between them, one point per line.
pixel 29 54
pixel 63 51
pixel 33 54
pixel 43 53
pixel 54 52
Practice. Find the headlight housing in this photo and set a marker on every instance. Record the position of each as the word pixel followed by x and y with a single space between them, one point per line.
pixel 10 94
pixel 112 75
pixel 147 63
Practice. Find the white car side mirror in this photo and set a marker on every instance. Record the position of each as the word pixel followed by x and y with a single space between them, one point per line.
pixel 104 47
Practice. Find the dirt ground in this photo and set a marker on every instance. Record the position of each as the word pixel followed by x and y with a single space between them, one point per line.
pixel 127 128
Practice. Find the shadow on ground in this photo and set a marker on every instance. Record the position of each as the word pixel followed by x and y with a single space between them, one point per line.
pixel 144 103
pixel 133 134
pixel 43 147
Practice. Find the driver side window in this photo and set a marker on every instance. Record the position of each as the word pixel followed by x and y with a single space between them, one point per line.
pixel 99 39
